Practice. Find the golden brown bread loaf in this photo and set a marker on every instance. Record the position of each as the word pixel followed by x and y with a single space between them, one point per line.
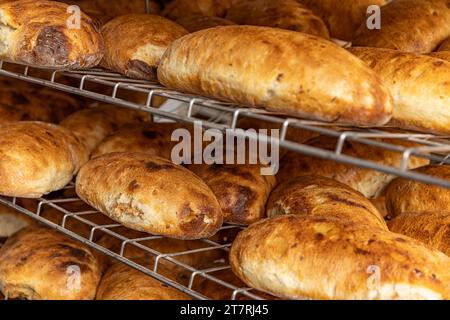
pixel 408 25
pixel 280 70
pixel 42 264
pixel 93 125
pixel 322 197
pixel 404 195
pixel 342 18
pixel 284 14
pixel 431 228
pixel 134 43
pixel 240 189
pixel 196 23
pixel 296 256
pixel 150 194
pixel 37 32
pixel 407 75
pixel 122 282
pixel 369 182
pixel 37 158
pixel 185 8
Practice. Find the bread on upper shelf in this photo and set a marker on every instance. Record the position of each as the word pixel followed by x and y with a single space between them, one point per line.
pixel 134 43
pixel 184 8
pixel 196 23
pixel 40 32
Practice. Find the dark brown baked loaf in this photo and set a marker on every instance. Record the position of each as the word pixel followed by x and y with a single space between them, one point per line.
pixel 196 23
pixel 150 194
pixel 322 197
pixel 431 228
pixel 408 25
pixel 42 264
pixel 405 195
pixel 369 182
pixel 297 256
pixel 280 70
pixel 37 32
pixel 184 8
pixel 284 14
pixel 134 43
pixel 419 85
pixel 37 158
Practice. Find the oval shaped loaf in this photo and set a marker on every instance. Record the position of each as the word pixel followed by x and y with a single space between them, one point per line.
pixel 405 195
pixel 37 158
pixel 323 197
pixel 39 32
pixel 280 70
pixel 150 194
pixel 196 23
pixel 296 256
pixel 41 264
pixel 134 43
pixel 408 25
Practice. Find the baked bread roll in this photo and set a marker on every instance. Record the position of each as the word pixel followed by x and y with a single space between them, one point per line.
pixel 134 43
pixel 296 256
pixel 37 158
pixel 122 282
pixel 93 125
pixel 184 8
pixel 408 25
pixel 344 18
pixel 419 85
pixel 196 23
pixel 404 195
pixel 37 32
pixel 431 228
pixel 240 189
pixel 150 194
pixel 322 197
pixel 284 14
pixel 42 264
pixel 279 71
pixel 12 221
pixel 369 182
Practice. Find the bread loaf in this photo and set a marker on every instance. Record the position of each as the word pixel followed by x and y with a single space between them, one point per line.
pixel 284 14
pixel 280 70
pixel 369 182
pixel 37 158
pixel 184 8
pixel 415 26
pixel 42 264
pixel 418 84
pixel 150 194
pixel 405 195
pixel 38 32
pixel 134 43
pixel 431 228
pixel 196 23
pixel 323 197
pixel 297 256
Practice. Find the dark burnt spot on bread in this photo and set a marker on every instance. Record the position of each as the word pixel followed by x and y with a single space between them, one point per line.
pixel 149 134
pixel 74 252
pixel 22 261
pixel 133 185
pixel 153 166
pixel 360 251
pixel 400 240
pixel 336 198
pixel 244 199
pixel 139 69
pixel 319 237
pixel 52 46
pixel 438 63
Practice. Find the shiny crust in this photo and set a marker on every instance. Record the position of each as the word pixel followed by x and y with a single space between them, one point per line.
pixel 122 282
pixel 429 19
pixel 296 256
pixel 284 14
pixel 240 189
pixel 150 194
pixel 40 35
pixel 265 67
pixel 420 86
pixel 322 197
pixel 404 195
pixel 196 23
pixel 134 43
pixel 431 228
pixel 342 19
pixel 369 182
pixel 42 264
pixel 37 158
pixel 93 125
pixel 183 8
